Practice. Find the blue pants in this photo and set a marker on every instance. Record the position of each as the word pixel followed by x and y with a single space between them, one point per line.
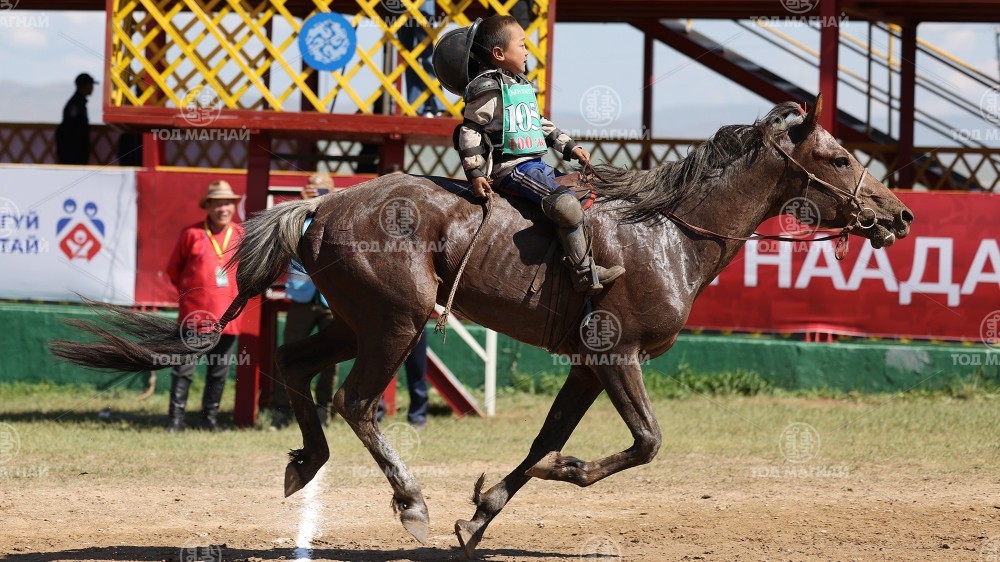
pixel 533 180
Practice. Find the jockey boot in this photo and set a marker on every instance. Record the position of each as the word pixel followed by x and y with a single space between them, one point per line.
pixel 565 210
pixel 178 400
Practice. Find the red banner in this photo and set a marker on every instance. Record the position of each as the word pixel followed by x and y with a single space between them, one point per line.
pixel 942 281
pixel 168 201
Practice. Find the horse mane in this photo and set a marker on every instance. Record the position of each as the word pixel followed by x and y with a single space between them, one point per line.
pixel 648 192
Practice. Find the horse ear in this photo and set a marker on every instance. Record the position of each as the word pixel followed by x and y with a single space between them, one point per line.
pixel 812 119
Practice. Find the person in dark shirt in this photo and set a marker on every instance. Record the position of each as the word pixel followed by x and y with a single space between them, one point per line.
pixel 73 133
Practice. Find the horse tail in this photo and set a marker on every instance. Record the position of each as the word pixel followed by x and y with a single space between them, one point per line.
pixel 270 242
pixel 138 341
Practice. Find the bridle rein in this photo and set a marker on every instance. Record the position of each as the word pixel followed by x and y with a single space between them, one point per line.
pixel 859 221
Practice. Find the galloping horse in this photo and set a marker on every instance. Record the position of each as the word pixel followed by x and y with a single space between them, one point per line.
pixel 674 228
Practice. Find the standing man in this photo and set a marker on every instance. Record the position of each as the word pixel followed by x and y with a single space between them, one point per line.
pixel 206 290
pixel 307 311
pixel 410 35
pixel 73 133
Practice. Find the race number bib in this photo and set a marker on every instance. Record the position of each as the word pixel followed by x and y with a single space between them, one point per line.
pixel 522 125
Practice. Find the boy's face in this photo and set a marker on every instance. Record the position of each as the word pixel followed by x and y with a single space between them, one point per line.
pixel 514 56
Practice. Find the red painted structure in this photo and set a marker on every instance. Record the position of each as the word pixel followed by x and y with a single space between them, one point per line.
pixel 392 132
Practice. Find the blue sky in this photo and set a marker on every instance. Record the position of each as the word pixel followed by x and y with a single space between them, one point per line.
pixel 690 100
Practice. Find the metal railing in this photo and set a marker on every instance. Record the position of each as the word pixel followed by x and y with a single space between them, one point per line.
pixel 888 61
pixel 35 144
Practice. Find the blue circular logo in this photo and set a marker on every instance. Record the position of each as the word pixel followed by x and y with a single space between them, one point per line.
pixel 327 41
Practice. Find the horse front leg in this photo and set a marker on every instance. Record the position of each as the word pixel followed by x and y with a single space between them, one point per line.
pixel 574 399
pixel 298 362
pixel 627 392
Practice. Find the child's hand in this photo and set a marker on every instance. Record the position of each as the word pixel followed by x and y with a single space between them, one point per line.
pixel 481 187
pixel 582 155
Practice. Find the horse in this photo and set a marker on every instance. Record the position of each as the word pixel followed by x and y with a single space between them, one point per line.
pixel 674 228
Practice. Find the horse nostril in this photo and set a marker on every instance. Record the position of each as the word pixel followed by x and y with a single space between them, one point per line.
pixel 906 216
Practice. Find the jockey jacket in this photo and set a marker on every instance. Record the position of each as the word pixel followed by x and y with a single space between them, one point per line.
pixel 503 128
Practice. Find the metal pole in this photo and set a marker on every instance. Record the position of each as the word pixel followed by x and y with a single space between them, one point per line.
pixel 998 51
pixel 829 49
pixel 550 25
pixel 907 81
pixel 251 342
pixel 647 100
pixel 491 373
pixel 868 93
pixel 888 89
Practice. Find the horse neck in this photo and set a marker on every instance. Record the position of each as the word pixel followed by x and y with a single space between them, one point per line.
pixel 735 205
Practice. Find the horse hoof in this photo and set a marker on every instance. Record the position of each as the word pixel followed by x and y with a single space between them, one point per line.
pixel 544 467
pixel 466 533
pixel 297 476
pixel 303 467
pixel 416 526
pixel 293 479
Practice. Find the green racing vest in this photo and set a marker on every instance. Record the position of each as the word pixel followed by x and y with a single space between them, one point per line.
pixel 522 125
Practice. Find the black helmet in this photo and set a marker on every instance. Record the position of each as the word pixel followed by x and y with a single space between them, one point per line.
pixel 454 63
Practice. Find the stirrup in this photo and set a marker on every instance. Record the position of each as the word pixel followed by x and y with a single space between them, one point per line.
pixel 585 276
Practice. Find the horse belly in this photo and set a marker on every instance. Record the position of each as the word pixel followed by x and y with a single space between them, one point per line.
pixel 514 284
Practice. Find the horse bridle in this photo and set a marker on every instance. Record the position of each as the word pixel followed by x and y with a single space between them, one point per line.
pixel 852 196
pixel 842 236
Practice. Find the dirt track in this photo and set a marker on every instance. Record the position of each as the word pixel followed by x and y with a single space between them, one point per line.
pixel 678 508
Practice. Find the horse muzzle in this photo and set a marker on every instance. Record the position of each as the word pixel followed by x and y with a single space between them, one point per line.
pixel 886 230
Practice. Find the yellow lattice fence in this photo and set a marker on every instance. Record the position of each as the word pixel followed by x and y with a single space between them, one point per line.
pixel 203 57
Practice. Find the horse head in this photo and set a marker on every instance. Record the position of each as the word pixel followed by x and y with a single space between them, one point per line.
pixel 827 178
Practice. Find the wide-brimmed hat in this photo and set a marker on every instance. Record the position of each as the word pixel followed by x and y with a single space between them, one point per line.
pixel 219 190
pixel 321 181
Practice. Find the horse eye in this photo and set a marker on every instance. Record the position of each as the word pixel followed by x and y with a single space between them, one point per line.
pixel 841 162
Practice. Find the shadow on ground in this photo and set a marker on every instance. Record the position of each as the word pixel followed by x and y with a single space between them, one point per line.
pixel 221 552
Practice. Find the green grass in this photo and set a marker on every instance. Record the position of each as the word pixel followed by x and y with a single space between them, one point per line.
pixel 735 420
pixel 686 383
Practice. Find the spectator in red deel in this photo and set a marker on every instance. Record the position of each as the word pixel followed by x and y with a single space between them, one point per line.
pixel 197 269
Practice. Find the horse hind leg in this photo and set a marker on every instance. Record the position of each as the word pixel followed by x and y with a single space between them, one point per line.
pixel 574 399
pixel 625 388
pixel 298 362
pixel 381 351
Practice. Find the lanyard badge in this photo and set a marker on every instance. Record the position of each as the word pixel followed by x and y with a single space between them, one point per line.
pixel 221 278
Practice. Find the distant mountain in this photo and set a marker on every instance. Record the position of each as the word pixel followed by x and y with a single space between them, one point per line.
pixel 43 104
pixel 668 122
pixel 699 122
pixel 40 104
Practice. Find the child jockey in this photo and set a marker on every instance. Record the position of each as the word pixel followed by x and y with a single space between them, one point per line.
pixel 503 138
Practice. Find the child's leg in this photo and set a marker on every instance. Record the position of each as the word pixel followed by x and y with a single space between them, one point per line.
pixel 533 180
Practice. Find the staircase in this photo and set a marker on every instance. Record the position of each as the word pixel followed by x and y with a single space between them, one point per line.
pixel 852 129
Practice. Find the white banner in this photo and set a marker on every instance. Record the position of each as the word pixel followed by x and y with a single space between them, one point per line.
pixel 67 230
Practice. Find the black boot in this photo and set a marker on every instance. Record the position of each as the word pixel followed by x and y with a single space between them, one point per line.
pixel 565 210
pixel 587 275
pixel 211 401
pixel 178 400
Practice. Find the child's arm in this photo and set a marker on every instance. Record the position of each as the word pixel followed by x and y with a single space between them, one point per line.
pixel 479 112
pixel 555 138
